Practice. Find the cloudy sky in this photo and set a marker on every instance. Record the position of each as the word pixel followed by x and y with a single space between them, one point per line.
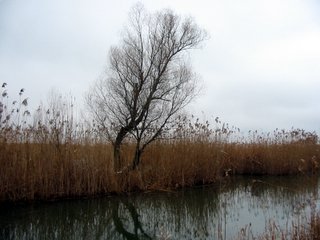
pixel 260 68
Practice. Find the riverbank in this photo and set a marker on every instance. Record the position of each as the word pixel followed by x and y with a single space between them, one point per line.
pixel 35 171
pixel 51 155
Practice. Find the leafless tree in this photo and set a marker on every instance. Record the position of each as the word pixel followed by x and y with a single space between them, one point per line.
pixel 148 79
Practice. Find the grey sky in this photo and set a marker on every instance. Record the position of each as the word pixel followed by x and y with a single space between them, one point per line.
pixel 260 68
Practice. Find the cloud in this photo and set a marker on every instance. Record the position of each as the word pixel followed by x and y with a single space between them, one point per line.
pixel 260 67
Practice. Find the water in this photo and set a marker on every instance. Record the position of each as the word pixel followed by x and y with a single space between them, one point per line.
pixel 249 205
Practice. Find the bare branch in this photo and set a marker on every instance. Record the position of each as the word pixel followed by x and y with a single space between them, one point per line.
pixel 147 81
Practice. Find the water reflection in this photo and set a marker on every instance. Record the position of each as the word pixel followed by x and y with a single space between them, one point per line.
pixel 123 224
pixel 215 212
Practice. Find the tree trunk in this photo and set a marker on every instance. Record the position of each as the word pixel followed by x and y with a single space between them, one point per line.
pixel 116 157
pixel 116 149
pixel 136 158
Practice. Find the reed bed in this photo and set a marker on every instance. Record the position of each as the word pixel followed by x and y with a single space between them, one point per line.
pixel 49 155
pixel 50 168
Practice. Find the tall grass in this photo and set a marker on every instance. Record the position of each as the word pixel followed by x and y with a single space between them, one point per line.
pixel 50 154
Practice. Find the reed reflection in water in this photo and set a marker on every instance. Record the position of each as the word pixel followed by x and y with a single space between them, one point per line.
pixel 213 212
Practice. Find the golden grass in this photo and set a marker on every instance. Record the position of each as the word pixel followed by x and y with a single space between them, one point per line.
pixel 44 171
pixel 55 157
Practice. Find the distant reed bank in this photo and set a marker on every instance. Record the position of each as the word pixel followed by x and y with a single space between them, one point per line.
pixel 50 154
pixel 48 170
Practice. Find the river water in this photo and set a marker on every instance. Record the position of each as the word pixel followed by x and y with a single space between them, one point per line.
pixel 239 208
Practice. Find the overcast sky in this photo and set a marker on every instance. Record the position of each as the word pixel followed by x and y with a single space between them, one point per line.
pixel 260 68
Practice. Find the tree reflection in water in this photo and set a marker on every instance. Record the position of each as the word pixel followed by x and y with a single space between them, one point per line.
pixel 120 225
pixel 215 212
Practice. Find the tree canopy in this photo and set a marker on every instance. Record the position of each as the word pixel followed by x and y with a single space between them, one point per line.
pixel 148 79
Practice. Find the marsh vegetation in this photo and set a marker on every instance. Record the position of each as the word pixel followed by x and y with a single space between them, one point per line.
pixel 51 154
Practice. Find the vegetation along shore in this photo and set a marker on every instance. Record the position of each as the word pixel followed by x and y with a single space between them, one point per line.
pixel 49 155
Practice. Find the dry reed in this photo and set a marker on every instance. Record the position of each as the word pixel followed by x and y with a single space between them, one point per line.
pixel 49 155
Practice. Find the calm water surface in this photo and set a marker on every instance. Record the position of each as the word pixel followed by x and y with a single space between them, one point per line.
pixel 213 212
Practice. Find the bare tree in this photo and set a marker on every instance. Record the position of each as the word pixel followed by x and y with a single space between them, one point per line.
pixel 148 79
